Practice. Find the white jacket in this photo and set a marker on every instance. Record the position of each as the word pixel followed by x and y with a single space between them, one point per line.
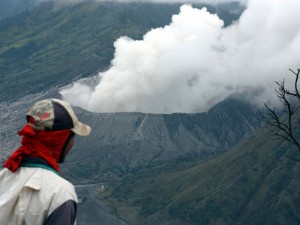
pixel 36 196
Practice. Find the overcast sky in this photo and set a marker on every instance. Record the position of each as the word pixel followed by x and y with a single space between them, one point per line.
pixel 182 1
pixel 194 62
pixel 166 1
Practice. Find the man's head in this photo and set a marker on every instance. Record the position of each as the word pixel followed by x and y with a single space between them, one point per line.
pixel 54 115
pixel 48 134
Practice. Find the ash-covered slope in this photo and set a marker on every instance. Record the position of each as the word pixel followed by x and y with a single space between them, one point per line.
pixel 124 142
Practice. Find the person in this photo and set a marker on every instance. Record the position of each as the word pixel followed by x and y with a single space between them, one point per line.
pixel 31 189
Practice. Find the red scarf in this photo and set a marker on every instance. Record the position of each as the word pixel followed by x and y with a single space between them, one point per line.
pixel 46 145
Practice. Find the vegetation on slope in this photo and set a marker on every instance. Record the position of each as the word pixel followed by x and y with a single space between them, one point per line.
pixel 253 184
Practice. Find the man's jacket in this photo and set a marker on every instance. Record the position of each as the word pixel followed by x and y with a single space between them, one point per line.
pixel 36 196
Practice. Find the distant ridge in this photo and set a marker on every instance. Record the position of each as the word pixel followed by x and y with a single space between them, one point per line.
pixel 11 8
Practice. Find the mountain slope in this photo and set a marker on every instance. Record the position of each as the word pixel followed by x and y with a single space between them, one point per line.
pixel 254 183
pixel 126 142
pixel 53 44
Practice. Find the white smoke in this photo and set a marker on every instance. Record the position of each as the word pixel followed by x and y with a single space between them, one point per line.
pixel 195 62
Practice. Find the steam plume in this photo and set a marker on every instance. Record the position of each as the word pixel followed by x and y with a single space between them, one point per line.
pixel 194 62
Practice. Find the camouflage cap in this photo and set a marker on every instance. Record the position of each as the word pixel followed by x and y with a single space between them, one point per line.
pixel 55 114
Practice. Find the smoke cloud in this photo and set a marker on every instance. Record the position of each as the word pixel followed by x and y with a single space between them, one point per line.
pixel 195 62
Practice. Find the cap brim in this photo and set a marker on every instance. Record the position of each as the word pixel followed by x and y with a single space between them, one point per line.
pixel 82 129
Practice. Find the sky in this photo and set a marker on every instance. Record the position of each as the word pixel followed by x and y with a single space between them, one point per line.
pixel 195 62
pixel 166 1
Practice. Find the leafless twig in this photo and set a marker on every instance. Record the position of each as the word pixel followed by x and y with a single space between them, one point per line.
pixel 282 126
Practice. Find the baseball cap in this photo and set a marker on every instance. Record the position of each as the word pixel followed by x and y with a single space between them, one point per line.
pixel 55 114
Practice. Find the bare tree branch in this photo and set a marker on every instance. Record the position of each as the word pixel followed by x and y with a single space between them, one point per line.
pixel 296 93
pixel 282 127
